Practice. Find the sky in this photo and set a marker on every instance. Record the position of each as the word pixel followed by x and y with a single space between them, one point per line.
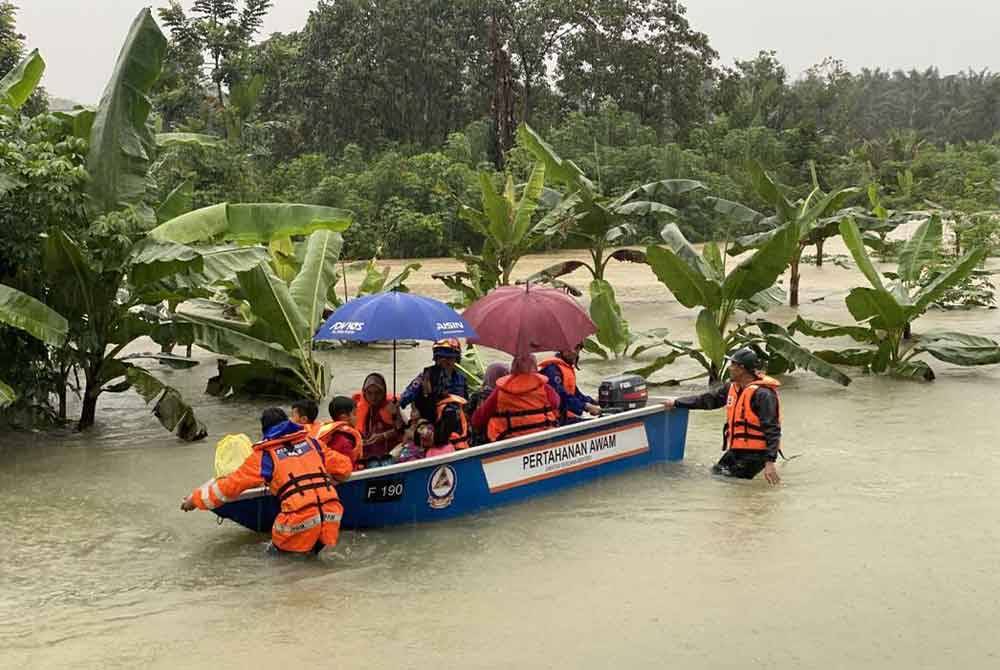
pixel 79 39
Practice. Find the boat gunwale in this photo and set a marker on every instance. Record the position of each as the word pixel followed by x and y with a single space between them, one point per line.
pixel 656 406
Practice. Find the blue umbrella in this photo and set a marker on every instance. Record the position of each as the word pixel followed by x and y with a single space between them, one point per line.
pixel 394 316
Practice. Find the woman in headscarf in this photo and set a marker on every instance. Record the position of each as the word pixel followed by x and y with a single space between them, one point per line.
pixel 377 418
pixel 522 403
pixel 494 373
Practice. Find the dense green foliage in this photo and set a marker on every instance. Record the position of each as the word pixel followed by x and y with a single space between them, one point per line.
pixel 398 117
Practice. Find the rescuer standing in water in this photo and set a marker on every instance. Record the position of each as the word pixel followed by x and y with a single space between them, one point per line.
pixel 752 434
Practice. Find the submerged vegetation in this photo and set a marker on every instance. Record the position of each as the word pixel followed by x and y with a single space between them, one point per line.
pixel 210 196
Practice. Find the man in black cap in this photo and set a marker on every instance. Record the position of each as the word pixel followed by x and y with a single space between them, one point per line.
pixel 752 434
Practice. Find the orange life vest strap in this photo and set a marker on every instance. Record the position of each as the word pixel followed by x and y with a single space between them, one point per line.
pixel 294 485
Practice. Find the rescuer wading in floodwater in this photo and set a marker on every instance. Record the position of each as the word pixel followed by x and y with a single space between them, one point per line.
pixel 752 434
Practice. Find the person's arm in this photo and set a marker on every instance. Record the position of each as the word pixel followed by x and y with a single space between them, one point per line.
pixel 338 465
pixel 713 399
pixel 486 410
pixel 569 401
pixel 412 392
pixel 217 492
pixel 764 403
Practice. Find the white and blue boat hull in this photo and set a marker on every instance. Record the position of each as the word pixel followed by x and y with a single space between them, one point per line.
pixel 495 474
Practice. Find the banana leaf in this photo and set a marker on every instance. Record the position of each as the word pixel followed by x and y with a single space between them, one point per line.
pixel 530 198
pixel 762 269
pixel 677 243
pixel 913 370
pixel 854 357
pixel 658 364
pixel 7 395
pixel 802 358
pixel 557 270
pixel 222 263
pixel 877 306
pixel 855 243
pixel 824 329
pixel 612 329
pixel 689 286
pixel 768 189
pixel 255 379
pixel 398 283
pixel 922 248
pixel 274 307
pixel 557 169
pixel 121 145
pixel 496 208
pixel 926 296
pixel 591 346
pixel 232 338
pixel 960 349
pixel 21 311
pixel 178 201
pixel 18 84
pixel 167 140
pixel 172 412
pixel 152 260
pixel 710 339
pixel 735 211
pixel 713 257
pixel 762 301
pixel 318 273
pixel 257 223
pixel 664 188
pixel 78 122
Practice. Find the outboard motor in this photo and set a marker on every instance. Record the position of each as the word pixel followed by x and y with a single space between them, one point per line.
pixel 622 393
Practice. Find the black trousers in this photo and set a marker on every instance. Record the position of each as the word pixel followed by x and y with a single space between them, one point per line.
pixel 740 464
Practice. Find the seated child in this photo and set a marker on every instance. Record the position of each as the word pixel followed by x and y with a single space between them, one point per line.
pixel 419 440
pixel 339 434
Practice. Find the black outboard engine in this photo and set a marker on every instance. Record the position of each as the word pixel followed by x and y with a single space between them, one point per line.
pixel 622 393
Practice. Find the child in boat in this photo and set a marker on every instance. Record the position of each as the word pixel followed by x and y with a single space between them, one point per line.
pixel 339 433
pixel 420 439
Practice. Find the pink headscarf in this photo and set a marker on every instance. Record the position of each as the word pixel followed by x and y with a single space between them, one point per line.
pixel 493 374
pixel 524 364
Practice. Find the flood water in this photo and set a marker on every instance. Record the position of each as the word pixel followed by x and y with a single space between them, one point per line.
pixel 879 550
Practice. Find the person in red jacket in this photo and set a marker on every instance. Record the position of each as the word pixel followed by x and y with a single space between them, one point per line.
pixel 299 472
pixel 522 403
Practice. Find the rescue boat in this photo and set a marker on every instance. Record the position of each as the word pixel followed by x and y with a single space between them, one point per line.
pixel 490 475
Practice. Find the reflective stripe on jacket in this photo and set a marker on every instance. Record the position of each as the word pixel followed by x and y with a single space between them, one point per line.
pixel 298 473
pixel 743 428
pixel 522 407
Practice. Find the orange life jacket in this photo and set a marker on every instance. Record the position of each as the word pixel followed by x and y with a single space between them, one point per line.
pixel 566 370
pixel 460 440
pixel 522 407
pixel 305 491
pixel 327 430
pixel 743 429
pixel 362 408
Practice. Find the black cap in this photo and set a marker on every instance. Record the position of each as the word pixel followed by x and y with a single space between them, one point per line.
pixel 745 358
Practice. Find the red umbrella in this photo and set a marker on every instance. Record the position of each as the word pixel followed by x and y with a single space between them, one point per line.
pixel 522 320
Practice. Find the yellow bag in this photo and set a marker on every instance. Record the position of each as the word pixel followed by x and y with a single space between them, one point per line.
pixel 230 452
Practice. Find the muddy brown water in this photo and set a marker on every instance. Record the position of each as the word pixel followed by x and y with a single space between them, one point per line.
pixel 879 550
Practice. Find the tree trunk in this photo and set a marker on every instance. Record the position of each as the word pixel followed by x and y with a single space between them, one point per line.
pixel 90 395
pixel 89 411
pixel 819 253
pixel 793 281
pixel 502 100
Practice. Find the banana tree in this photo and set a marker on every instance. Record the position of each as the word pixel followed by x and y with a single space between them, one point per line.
pixel 701 280
pixel 275 340
pixel 21 311
pixel 376 280
pixel 600 223
pixel 885 312
pixel 816 216
pixel 506 224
